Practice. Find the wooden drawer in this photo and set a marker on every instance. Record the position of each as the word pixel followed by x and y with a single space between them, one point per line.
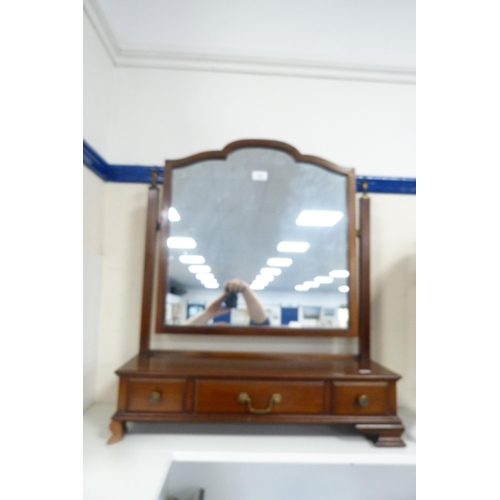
pixel 361 398
pixel 162 395
pixel 258 397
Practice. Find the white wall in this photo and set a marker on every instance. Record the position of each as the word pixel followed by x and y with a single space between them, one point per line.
pixel 393 288
pixel 97 104
pixel 98 95
pixel 93 198
pixel 123 247
pixel 159 114
pixel 166 114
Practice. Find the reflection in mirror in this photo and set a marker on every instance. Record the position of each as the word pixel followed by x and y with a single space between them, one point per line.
pixel 273 228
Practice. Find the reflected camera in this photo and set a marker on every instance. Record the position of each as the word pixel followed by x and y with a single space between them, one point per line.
pixel 230 300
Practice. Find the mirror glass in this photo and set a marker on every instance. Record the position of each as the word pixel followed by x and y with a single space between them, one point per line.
pixel 236 216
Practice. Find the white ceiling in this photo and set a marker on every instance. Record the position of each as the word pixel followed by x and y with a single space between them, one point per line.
pixel 359 39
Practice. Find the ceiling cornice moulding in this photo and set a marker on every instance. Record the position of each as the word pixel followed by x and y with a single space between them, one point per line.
pixel 230 63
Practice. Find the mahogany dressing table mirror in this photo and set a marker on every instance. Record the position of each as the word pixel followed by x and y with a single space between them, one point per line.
pixel 284 225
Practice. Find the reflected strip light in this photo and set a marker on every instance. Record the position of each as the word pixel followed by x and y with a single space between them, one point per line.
pixel 180 242
pixel 205 276
pixel 311 284
pixel 343 289
pixel 173 215
pixel 301 288
pixel 209 281
pixel 274 271
pixel 192 259
pixel 265 278
pixel 212 285
pixel 292 246
pixel 339 274
pixel 323 218
pixel 212 281
pixel 258 286
pixel 279 262
pixel 199 269
pixel 323 279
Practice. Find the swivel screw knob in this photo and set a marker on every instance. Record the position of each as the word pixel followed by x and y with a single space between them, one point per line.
pixel 363 400
pixel 155 397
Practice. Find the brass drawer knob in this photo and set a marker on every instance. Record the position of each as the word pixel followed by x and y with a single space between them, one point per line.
pixel 244 398
pixel 363 400
pixel 155 397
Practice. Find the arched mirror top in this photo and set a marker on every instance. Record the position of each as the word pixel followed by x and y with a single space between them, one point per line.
pixel 276 226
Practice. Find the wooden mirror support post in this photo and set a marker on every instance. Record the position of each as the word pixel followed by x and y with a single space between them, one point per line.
pixel 364 282
pixel 149 265
pixel 208 386
pixel 382 434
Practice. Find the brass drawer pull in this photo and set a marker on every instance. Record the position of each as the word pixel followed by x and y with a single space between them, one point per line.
pixel 155 397
pixel 363 400
pixel 245 399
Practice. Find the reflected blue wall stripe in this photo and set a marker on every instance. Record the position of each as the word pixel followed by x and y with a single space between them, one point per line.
pixel 144 175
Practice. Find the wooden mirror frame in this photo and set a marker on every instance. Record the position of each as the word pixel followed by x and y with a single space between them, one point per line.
pixel 164 226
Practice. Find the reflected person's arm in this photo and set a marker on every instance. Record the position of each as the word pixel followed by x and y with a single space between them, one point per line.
pixel 255 308
pixel 212 310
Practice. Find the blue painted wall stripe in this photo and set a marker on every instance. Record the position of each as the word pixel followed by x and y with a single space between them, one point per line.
pixel 143 175
pixel 394 185
pixel 93 161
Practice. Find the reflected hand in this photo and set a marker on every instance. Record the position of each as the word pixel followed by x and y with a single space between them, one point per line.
pixel 236 286
pixel 215 308
pixel 255 308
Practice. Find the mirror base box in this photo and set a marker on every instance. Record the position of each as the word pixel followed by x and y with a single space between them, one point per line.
pixel 192 386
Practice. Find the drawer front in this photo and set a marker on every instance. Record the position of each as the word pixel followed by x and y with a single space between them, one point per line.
pixel 156 395
pixel 361 398
pixel 258 397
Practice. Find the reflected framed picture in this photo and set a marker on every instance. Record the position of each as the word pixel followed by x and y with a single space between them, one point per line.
pixel 328 312
pixel 273 314
pixel 311 312
pixel 194 309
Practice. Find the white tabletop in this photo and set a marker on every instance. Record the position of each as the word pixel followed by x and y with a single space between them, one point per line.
pixel 137 466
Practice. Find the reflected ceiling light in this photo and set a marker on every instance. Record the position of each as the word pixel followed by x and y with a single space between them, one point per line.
pixel 279 262
pixel 210 282
pixel 301 288
pixel 343 289
pixel 257 286
pixel 324 218
pixel 274 271
pixel 199 269
pixel 204 276
pixel 173 215
pixel 192 259
pixel 180 242
pixel 212 285
pixel 311 284
pixel 323 279
pixel 293 246
pixel 339 274
pixel 266 278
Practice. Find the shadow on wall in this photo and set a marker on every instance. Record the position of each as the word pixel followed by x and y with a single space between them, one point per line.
pixel 125 262
pixel 393 325
pixel 134 273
